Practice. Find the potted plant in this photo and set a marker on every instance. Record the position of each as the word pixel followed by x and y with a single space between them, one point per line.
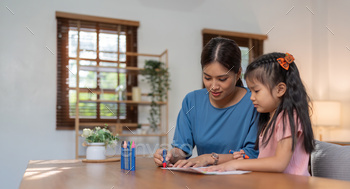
pixel 97 141
pixel 157 75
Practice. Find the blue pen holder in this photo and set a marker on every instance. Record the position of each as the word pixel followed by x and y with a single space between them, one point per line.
pixel 128 158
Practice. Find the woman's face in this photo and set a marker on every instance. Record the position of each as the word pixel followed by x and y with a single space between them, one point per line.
pixel 219 82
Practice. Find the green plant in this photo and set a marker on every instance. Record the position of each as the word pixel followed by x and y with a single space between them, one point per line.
pixel 100 135
pixel 157 75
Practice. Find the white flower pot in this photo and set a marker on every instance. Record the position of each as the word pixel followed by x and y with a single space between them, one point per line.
pixel 96 151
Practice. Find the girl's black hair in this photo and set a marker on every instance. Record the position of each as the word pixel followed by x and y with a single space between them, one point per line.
pixel 269 72
pixel 224 51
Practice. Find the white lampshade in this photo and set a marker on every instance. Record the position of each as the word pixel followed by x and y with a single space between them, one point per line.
pixel 326 113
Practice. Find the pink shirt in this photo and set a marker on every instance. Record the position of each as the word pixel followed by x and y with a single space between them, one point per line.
pixel 298 164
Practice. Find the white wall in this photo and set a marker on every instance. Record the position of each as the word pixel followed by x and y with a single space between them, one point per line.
pixel 28 68
pixel 330 61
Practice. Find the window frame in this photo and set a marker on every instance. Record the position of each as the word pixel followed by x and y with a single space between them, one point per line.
pixel 63 120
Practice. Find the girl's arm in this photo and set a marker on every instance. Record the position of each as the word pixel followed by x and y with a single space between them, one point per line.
pixel 205 159
pixel 276 163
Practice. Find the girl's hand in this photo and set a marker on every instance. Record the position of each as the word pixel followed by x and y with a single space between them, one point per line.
pixel 199 161
pixel 238 155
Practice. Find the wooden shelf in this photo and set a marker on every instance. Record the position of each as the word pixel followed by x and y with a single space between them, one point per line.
pixel 137 135
pixel 117 126
pixel 92 124
pixel 110 69
pixel 105 91
pixel 124 102
pixel 95 124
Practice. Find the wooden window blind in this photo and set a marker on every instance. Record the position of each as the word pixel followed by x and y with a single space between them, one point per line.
pixel 94 42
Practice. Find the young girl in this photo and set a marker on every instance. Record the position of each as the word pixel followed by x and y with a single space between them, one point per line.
pixel 285 137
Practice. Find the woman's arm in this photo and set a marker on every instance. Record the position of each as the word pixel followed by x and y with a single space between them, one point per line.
pixel 251 137
pixel 276 163
pixel 183 139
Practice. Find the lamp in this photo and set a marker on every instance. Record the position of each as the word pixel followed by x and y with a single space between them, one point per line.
pixel 326 114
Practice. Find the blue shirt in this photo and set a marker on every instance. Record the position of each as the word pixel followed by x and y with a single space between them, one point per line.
pixel 217 130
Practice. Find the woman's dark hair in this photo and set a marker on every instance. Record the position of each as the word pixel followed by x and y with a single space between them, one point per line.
pixel 224 51
pixel 269 72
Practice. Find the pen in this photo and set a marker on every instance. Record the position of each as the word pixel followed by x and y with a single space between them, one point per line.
pixel 124 155
pixel 133 163
pixel 244 155
pixel 122 164
pixel 164 155
pixel 129 155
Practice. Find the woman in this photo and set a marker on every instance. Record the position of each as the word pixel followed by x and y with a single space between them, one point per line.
pixel 216 119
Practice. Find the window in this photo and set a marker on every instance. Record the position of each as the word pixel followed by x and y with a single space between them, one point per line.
pixel 251 45
pixel 94 41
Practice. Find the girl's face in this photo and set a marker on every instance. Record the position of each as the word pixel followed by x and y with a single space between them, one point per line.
pixel 263 99
pixel 219 82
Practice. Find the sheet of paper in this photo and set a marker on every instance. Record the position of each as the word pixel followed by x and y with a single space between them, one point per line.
pixel 200 171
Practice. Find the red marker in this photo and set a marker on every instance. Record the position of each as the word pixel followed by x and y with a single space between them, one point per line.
pixel 244 156
pixel 164 161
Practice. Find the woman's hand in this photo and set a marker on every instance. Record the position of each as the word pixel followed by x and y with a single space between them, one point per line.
pixel 199 161
pixel 173 155
pixel 158 157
